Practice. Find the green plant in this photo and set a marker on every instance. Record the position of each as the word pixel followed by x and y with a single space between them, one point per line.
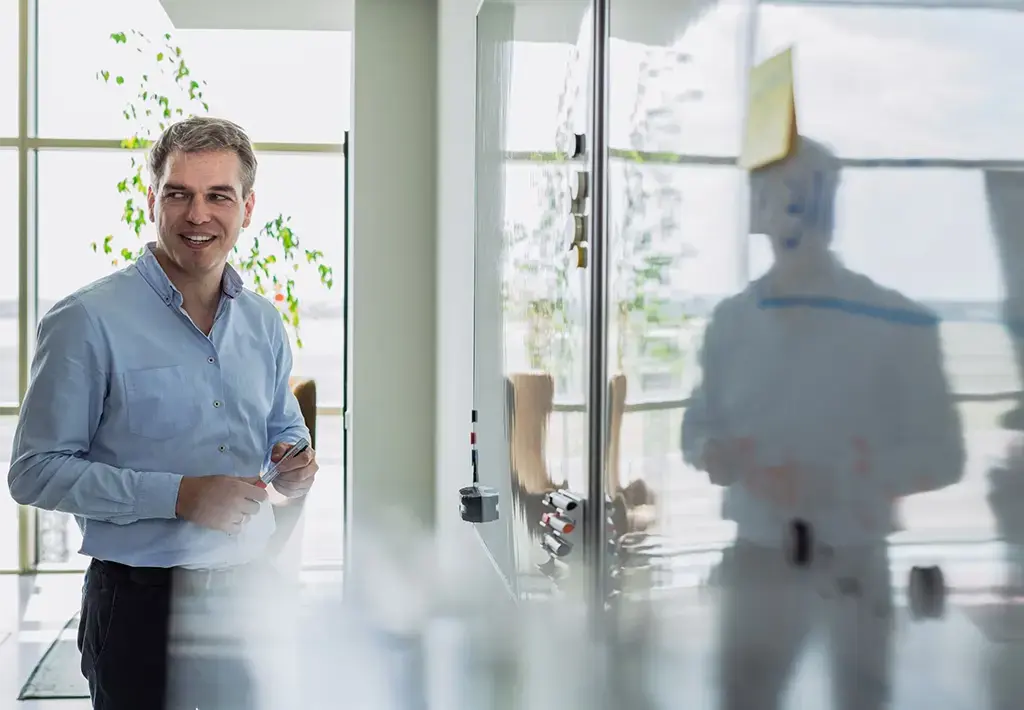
pixel 166 92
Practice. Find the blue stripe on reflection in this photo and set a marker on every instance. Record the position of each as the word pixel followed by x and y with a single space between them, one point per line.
pixel 892 315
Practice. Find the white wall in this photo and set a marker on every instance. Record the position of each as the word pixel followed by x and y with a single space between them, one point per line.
pixel 393 277
pixel 456 96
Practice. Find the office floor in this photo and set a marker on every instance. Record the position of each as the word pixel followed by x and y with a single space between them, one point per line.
pixel 33 610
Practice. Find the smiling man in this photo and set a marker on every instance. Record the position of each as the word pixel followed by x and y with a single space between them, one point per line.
pixel 157 396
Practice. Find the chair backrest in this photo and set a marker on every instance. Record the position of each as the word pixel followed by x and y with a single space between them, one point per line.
pixel 305 393
pixel 533 398
pixel 616 412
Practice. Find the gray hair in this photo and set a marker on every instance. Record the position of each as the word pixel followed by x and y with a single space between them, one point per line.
pixel 199 134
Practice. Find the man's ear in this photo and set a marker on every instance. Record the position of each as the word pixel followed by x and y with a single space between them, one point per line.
pixel 250 204
pixel 151 202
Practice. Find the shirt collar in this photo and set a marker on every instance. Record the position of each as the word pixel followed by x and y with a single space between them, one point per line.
pixel 231 283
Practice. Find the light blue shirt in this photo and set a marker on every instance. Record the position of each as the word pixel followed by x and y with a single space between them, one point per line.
pixel 128 396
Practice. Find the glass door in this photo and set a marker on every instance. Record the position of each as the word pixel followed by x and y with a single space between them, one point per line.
pixel 815 450
pixel 532 281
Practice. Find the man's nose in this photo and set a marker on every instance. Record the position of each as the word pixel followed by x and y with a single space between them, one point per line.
pixel 198 211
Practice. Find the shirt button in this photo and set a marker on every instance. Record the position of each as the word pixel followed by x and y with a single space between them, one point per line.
pixel 222 448
pixel 216 403
pixel 211 360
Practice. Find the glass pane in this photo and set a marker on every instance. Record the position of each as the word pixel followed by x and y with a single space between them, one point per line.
pixel 904 82
pixel 530 311
pixel 323 531
pixel 310 188
pixel 75 43
pixel 542 86
pixel 70 220
pixel 8 508
pixel 680 95
pixel 9 278
pixel 9 67
pixel 845 459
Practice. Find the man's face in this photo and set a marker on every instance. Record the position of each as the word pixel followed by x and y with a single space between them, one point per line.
pixel 790 206
pixel 199 209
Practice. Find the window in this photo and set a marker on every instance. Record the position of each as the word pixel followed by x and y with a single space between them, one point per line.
pixel 545 94
pixel 324 534
pixel 241 68
pixel 927 233
pixel 681 96
pixel 923 232
pixel 544 320
pixel 9 278
pixel 674 254
pixel 8 508
pixel 906 82
pixel 311 189
pixel 78 204
pixel 9 67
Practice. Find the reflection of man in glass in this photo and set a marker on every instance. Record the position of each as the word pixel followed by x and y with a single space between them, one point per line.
pixel 823 399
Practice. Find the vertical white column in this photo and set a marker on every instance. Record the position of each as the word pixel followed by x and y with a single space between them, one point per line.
pixel 393 274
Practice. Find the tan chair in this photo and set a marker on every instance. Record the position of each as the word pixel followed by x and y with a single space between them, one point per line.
pixel 530 400
pixel 632 505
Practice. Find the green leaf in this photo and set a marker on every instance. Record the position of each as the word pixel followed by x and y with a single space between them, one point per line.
pixel 119 80
pixel 119 37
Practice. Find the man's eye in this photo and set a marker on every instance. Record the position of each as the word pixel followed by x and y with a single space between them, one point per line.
pixel 176 195
pixel 218 198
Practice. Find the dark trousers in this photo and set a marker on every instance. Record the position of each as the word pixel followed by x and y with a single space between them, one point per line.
pixel 124 639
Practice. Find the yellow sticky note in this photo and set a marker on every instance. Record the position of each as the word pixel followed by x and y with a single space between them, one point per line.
pixel 771 128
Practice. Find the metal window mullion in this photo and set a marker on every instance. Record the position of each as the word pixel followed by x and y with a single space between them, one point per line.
pixel 594 529
pixel 27 212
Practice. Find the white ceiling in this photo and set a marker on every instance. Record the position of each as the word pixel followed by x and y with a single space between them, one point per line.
pixel 647 21
pixel 260 14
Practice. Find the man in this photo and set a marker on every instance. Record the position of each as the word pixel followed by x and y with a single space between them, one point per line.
pixel 157 396
pixel 823 400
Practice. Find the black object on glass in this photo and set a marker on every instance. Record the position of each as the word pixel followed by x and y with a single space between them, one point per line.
pixel 477 504
pixel 800 543
pixel 579 147
pixel 927 592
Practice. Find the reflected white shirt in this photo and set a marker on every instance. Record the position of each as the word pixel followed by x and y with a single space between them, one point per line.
pixel 841 393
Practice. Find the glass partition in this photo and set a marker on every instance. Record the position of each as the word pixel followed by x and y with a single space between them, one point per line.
pixel 811 429
pixel 530 324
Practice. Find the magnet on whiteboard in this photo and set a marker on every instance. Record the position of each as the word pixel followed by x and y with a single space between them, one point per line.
pixel 579 230
pixel 579 145
pixel 581 255
pixel 582 190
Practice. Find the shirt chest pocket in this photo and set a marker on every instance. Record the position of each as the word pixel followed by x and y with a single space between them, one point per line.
pixel 161 402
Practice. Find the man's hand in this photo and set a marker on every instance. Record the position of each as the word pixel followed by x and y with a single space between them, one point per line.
pixel 222 503
pixel 297 473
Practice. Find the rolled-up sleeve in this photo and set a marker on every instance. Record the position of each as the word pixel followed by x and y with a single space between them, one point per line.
pixel 50 466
